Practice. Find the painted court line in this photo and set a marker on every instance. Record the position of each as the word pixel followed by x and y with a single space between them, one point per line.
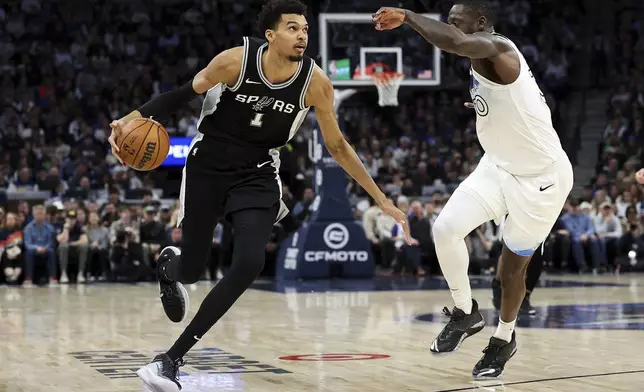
pixel 541 380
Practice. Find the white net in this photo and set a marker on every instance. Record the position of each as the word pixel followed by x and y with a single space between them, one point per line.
pixel 387 84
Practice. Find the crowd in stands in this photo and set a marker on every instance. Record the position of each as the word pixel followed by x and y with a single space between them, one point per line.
pixel 68 68
pixel 76 241
pixel 613 203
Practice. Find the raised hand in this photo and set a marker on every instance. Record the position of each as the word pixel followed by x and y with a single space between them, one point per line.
pixel 388 18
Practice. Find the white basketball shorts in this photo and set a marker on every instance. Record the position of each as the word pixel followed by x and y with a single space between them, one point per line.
pixel 532 203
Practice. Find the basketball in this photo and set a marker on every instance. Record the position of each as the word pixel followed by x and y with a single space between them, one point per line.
pixel 144 144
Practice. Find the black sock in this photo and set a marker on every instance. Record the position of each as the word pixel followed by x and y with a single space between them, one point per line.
pixel 253 228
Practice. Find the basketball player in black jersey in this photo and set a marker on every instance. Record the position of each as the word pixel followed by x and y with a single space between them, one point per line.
pixel 257 95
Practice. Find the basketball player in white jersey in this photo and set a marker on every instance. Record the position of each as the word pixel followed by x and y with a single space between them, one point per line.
pixel 524 172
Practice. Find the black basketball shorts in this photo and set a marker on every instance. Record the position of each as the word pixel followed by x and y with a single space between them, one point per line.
pixel 219 179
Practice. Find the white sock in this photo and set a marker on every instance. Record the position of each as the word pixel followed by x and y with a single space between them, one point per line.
pixel 504 330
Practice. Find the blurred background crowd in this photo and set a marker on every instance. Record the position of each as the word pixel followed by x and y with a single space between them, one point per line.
pixel 71 213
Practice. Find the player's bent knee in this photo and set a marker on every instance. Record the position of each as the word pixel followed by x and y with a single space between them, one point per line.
pixel 445 231
pixel 192 269
pixel 191 276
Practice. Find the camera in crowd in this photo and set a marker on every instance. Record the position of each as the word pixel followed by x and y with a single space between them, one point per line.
pixel 123 237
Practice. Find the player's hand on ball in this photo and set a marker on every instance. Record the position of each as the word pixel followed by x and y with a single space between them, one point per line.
pixel 639 176
pixel 388 18
pixel 117 129
pixel 400 217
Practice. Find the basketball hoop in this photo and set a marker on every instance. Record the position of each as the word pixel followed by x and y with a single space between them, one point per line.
pixel 387 84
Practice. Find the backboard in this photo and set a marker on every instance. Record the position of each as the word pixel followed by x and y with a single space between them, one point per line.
pixel 351 48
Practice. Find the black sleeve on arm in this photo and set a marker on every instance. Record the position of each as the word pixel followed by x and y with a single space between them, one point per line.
pixel 169 102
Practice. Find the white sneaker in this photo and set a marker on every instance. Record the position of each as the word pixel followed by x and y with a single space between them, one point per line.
pixel 64 278
pixel 161 375
pixel 80 278
pixel 27 284
pixel 53 283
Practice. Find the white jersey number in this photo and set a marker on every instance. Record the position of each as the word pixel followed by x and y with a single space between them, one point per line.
pixel 256 121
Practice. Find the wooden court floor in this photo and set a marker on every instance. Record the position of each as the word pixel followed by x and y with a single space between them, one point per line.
pixel 321 336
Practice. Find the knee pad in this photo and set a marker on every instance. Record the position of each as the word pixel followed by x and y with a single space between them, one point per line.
pixel 446 230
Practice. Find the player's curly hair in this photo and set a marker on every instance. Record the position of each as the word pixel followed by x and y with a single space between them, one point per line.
pixel 273 10
pixel 480 8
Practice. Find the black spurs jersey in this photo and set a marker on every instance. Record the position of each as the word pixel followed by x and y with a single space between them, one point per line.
pixel 255 114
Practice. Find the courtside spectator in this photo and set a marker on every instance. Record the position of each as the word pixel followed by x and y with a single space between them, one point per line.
pixel 126 259
pixel 126 222
pixel 385 226
pixel 99 244
pixel 408 256
pixel 11 250
pixel 40 244
pixel 370 226
pixel 72 241
pixel 421 231
pixel 609 230
pixel 582 235
pixel 153 235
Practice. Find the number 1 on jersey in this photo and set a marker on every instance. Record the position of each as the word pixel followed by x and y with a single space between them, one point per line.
pixel 256 121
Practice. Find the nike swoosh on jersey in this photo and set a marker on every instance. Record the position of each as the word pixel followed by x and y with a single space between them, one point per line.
pixel 263 164
pixel 252 81
pixel 544 188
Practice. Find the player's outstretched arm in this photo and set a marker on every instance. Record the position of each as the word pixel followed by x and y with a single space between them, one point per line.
pixel 446 37
pixel 224 68
pixel 320 96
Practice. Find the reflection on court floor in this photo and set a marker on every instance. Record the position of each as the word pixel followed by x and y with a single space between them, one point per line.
pixel 336 336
